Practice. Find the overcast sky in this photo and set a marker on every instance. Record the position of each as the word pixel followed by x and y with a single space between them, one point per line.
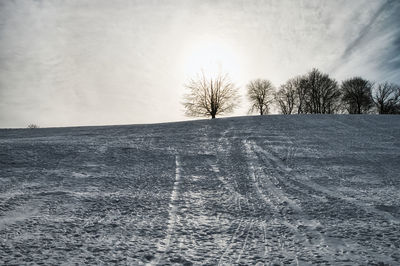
pixel 85 62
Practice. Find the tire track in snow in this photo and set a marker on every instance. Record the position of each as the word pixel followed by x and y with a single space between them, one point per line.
pixel 164 245
pixel 222 146
pixel 283 170
pixel 302 225
pixel 237 196
pixel 277 199
pixel 229 246
pixel 358 203
pixel 242 224
pixel 245 242
pixel 271 181
pixel 280 170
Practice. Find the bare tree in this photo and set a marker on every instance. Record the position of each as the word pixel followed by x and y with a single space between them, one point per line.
pixel 33 126
pixel 210 96
pixel 356 95
pixel 287 96
pixel 260 93
pixel 319 93
pixel 387 98
pixel 301 91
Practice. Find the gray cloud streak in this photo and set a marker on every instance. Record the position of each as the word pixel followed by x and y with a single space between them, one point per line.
pixel 373 52
pixel 352 46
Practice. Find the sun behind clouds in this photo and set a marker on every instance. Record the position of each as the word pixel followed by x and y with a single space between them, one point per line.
pixel 212 57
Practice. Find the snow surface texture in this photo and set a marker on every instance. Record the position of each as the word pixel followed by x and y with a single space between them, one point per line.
pixel 301 190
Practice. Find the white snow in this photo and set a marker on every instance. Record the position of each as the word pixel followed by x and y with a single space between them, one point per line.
pixel 301 189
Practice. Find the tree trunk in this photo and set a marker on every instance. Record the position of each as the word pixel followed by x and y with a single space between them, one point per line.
pixel 212 116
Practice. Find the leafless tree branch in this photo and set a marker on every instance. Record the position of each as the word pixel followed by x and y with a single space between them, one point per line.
pixel 210 96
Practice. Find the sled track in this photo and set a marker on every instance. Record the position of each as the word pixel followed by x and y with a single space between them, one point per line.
pixel 164 245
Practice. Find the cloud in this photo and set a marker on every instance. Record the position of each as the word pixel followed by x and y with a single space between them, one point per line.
pixel 111 62
pixel 373 52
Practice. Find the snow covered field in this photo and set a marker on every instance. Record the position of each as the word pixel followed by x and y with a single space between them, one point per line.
pixel 301 190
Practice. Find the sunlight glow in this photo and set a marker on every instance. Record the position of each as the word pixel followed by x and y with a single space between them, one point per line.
pixel 212 57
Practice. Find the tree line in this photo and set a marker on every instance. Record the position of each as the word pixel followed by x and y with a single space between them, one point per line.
pixel 312 93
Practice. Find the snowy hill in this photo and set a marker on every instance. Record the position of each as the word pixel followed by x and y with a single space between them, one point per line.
pixel 276 189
